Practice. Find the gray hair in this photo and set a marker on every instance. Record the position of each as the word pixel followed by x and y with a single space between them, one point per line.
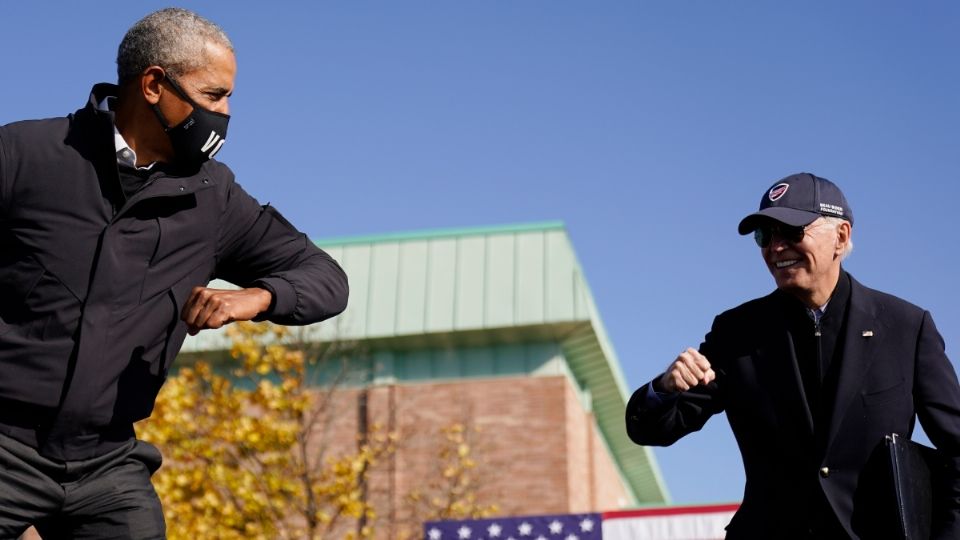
pixel 835 222
pixel 172 38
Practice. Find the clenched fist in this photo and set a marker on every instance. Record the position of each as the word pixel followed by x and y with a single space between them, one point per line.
pixel 213 308
pixel 689 369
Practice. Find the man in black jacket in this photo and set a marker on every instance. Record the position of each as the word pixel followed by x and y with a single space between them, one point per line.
pixel 812 377
pixel 112 222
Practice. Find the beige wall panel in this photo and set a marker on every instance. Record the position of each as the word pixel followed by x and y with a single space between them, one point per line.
pixel 561 272
pixel 382 311
pixel 355 261
pixel 531 269
pixel 500 283
pixel 412 284
pixel 471 258
pixel 336 252
pixel 441 285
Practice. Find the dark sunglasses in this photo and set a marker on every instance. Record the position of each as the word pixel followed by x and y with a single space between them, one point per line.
pixel 763 234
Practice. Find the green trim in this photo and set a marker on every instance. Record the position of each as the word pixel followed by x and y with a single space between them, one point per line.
pixel 439 233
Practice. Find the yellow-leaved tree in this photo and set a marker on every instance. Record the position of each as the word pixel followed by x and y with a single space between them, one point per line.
pixel 248 452
pixel 240 462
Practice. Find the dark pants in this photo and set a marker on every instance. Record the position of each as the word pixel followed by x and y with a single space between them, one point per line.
pixel 105 497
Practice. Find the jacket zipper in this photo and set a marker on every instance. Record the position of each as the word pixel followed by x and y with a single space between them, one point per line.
pixel 817 334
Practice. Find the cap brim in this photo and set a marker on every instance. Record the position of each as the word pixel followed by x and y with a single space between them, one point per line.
pixel 790 216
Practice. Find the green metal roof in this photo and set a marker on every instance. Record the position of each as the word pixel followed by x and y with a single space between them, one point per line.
pixel 486 285
pixel 438 233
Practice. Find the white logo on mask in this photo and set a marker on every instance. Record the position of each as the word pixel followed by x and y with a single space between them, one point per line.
pixel 213 141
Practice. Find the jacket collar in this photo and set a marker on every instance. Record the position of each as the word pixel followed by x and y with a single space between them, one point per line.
pixel 100 92
pixel 91 135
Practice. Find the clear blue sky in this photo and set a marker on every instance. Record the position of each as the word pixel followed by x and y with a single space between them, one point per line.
pixel 649 128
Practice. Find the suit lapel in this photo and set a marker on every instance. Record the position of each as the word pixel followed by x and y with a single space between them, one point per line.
pixel 863 325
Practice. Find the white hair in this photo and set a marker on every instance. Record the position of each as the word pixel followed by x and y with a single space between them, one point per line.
pixel 172 38
pixel 835 222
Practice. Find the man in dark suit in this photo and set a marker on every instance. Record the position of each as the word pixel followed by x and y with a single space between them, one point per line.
pixel 812 377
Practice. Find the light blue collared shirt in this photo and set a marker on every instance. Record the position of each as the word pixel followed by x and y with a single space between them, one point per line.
pixel 125 155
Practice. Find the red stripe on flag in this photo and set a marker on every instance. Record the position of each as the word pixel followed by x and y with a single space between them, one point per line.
pixel 671 511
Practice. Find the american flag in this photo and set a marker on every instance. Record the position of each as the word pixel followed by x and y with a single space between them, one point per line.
pixel 558 527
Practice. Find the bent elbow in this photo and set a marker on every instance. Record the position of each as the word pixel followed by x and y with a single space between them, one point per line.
pixel 645 433
pixel 340 294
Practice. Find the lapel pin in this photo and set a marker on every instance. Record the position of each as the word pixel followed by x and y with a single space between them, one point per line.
pixel 867 333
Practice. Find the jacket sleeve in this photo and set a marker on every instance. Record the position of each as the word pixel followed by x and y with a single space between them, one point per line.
pixel 258 247
pixel 4 188
pixel 662 420
pixel 937 402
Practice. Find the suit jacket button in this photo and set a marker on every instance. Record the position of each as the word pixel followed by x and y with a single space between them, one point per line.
pixel 825 472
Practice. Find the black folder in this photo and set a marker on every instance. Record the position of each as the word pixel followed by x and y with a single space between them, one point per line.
pixel 911 468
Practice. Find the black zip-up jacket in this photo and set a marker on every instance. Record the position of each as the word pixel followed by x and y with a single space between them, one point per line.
pixel 92 284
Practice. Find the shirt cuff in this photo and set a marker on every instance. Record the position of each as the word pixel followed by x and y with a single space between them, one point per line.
pixel 653 399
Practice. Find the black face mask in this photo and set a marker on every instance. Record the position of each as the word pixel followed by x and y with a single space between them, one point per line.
pixel 199 136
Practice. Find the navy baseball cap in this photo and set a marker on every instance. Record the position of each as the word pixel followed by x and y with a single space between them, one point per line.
pixel 797 200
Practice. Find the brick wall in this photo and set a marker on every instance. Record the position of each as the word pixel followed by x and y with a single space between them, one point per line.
pixel 538 449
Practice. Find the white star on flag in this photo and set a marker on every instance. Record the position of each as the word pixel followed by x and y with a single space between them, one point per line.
pixel 547 527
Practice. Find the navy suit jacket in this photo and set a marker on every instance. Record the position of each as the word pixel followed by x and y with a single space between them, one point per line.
pixel 893 369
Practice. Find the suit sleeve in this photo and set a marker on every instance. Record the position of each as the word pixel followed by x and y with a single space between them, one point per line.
pixel 4 188
pixel 937 402
pixel 258 247
pixel 662 422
